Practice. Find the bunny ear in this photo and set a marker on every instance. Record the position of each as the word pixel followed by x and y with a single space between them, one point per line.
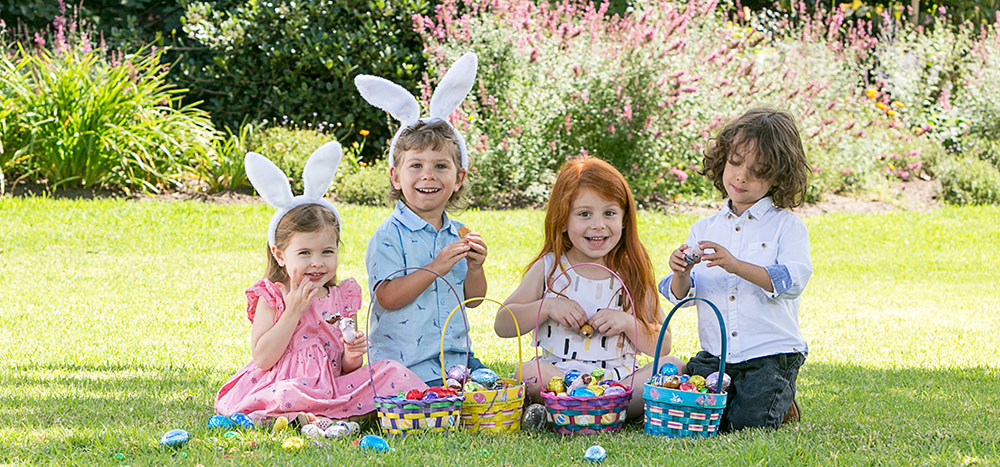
pixel 454 86
pixel 320 168
pixel 389 97
pixel 268 179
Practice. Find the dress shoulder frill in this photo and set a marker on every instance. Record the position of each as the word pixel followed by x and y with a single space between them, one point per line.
pixel 271 294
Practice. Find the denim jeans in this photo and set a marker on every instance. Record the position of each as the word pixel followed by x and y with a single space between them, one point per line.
pixel 761 392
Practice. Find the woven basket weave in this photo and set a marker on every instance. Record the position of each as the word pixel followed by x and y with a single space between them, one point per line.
pixel 680 414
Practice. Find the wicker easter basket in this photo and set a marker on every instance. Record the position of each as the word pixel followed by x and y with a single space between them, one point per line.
pixel 493 410
pixel 403 417
pixel 570 415
pixel 682 414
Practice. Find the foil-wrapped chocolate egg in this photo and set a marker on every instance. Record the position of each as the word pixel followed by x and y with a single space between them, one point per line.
pixel 597 389
pixel 485 377
pixel 672 381
pixel 698 381
pixel 693 253
pixel 571 376
pixel 556 385
pixel 312 431
pixel 595 454
pixel 336 431
pixel 586 330
pixel 458 373
pixel 597 374
pixel 472 386
pixel 453 384
pixel 581 392
pixel 685 378
pixel 712 381
pixel 614 391
pixel 414 395
pixel 668 369
pixel 687 386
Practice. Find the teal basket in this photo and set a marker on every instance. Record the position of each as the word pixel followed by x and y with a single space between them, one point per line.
pixel 682 414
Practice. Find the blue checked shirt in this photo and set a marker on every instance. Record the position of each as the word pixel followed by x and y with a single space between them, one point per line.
pixel 758 323
pixel 411 335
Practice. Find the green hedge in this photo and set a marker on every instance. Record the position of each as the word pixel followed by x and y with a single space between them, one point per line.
pixel 293 62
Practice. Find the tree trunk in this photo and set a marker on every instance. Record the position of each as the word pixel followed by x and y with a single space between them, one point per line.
pixel 915 12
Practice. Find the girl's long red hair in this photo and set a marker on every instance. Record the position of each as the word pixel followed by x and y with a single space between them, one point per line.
pixel 628 258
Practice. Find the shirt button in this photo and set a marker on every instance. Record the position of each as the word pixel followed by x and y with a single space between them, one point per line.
pixel 732 298
pixel 734 333
pixel 737 228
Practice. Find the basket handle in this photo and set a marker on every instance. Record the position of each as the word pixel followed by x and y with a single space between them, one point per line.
pixel 538 315
pixel 520 357
pixel 722 326
pixel 371 372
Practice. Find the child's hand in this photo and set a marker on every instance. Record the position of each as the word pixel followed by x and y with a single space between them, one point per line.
pixel 301 292
pixel 678 263
pixel 448 256
pixel 720 257
pixel 357 349
pixel 477 251
pixel 564 311
pixel 612 322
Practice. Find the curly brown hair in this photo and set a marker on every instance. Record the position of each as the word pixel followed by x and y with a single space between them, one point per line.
pixel 780 159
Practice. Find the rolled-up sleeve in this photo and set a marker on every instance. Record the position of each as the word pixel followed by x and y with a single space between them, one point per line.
pixel 664 288
pixel 793 267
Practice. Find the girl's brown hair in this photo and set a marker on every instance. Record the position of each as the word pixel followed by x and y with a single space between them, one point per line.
pixel 305 218
pixel 780 159
pixel 435 136
pixel 628 258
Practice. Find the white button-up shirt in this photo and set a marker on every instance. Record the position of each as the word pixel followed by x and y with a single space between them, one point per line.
pixel 758 323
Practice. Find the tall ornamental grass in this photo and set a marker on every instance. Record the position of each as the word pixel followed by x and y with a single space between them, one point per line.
pixel 83 117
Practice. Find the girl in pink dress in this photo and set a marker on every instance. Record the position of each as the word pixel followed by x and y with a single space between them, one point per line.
pixel 300 362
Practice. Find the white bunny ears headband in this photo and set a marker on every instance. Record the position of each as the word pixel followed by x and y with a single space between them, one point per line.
pixel 448 95
pixel 273 186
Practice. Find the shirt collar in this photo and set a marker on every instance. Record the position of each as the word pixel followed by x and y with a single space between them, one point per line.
pixel 413 222
pixel 757 211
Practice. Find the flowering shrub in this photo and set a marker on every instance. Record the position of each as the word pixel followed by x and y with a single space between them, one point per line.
pixel 649 89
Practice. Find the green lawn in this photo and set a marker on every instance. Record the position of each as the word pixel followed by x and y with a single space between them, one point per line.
pixel 119 320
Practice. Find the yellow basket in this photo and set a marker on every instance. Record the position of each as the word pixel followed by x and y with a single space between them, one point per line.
pixel 493 411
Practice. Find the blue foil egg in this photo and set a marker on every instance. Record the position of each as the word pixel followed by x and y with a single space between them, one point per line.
pixel 175 438
pixel 571 376
pixel 485 377
pixel 242 420
pixel 582 392
pixel 220 421
pixel 668 369
pixel 374 442
pixel 595 454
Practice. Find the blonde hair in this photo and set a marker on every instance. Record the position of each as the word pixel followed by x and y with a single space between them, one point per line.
pixel 307 218
pixel 435 136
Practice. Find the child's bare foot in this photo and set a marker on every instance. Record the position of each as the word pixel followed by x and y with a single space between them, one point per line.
pixel 792 415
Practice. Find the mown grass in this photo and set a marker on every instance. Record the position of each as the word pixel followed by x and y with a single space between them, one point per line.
pixel 119 320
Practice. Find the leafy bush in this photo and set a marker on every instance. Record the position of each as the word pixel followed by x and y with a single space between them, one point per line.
pixel 294 60
pixel 368 185
pixel 968 180
pixel 289 147
pixel 221 168
pixel 81 117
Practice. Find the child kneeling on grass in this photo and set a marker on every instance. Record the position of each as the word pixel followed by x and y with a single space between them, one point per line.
pixel 755 267
pixel 304 368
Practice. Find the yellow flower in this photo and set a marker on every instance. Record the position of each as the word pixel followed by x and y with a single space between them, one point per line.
pixel 364 132
pixel 355 144
pixel 871 93
pixel 363 164
pixel 470 118
pixel 891 167
pixel 891 113
pixel 881 105
pixel 898 104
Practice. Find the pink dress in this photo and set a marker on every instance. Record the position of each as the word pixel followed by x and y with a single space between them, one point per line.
pixel 308 377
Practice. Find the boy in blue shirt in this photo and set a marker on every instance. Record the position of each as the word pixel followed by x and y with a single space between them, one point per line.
pixel 427 167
